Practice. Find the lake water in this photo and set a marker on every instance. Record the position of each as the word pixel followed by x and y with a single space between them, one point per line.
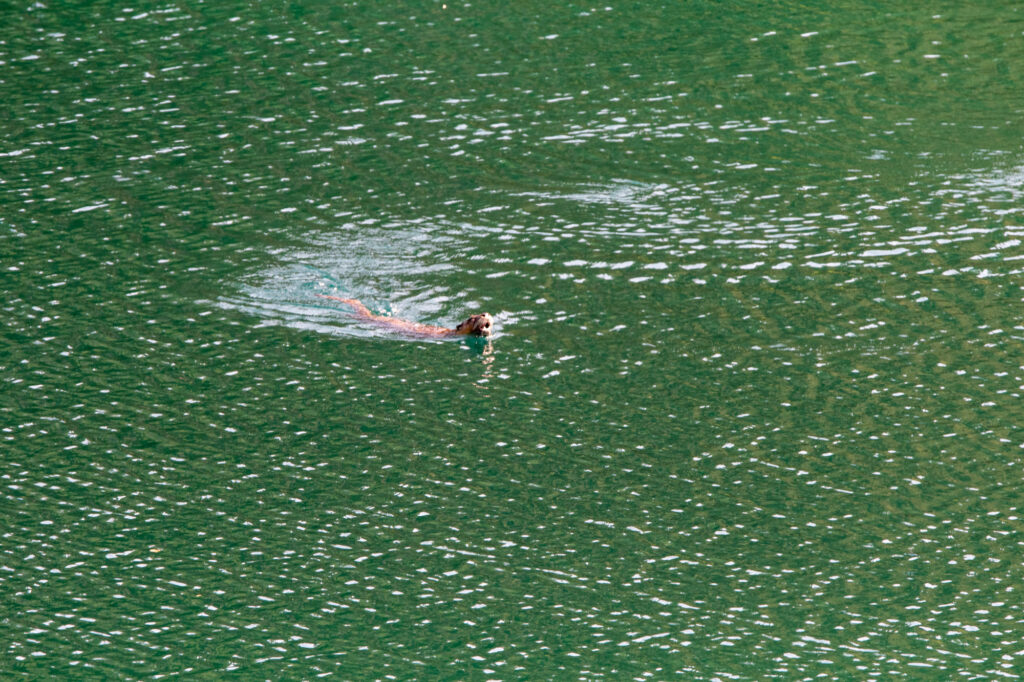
pixel 753 410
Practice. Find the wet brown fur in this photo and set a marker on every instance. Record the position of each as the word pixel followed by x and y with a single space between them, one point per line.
pixel 475 325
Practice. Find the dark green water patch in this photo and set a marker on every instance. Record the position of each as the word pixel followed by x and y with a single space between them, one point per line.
pixel 751 411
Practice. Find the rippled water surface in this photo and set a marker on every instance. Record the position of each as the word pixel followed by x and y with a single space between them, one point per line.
pixel 753 406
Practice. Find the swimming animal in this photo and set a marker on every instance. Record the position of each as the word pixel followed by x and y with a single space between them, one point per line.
pixel 475 325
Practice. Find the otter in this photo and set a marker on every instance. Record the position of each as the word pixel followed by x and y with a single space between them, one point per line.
pixel 475 325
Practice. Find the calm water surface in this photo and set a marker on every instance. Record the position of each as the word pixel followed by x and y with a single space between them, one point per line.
pixel 752 411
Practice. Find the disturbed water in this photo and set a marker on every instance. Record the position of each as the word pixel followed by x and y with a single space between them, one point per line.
pixel 752 410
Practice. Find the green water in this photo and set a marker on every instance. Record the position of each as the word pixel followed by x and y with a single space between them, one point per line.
pixel 752 411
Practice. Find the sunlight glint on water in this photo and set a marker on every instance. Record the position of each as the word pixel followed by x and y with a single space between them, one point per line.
pixel 751 410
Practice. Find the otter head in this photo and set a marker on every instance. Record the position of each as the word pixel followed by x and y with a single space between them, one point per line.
pixel 476 325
